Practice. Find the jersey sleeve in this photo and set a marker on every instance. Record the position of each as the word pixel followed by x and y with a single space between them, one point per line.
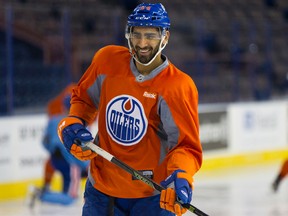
pixel 85 96
pixel 82 103
pixel 179 115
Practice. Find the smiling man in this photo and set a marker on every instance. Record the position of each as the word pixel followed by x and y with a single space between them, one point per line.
pixel 147 117
pixel 147 44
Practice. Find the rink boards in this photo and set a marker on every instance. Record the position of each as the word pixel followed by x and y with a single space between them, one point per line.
pixel 231 135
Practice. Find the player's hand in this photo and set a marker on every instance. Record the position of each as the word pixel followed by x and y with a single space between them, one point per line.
pixel 179 187
pixel 72 133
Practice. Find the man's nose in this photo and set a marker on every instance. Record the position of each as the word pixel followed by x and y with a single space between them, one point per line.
pixel 142 42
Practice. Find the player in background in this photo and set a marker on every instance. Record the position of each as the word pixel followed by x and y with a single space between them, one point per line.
pixel 280 176
pixel 147 118
pixel 71 169
pixel 55 107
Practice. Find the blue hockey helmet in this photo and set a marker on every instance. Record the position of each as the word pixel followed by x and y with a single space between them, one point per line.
pixel 150 15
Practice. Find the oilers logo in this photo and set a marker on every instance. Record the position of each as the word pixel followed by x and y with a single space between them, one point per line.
pixel 126 122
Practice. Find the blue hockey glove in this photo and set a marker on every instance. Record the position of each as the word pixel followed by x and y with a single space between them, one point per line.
pixel 179 187
pixel 72 133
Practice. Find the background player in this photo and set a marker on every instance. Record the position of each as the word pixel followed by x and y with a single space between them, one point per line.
pixel 55 107
pixel 70 168
pixel 148 118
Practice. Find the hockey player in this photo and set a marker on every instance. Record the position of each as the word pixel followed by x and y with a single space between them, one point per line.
pixel 71 169
pixel 56 107
pixel 147 118
pixel 280 176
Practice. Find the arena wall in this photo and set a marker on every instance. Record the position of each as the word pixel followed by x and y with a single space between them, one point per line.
pixel 232 135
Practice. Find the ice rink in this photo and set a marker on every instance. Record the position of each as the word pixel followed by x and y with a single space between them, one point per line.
pixel 239 192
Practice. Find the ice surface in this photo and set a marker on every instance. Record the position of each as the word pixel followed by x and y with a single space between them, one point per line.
pixel 244 191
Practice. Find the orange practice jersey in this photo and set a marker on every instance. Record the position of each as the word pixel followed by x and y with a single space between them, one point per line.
pixel 148 122
pixel 55 105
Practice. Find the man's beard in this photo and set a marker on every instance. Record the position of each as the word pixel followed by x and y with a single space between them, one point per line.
pixel 143 58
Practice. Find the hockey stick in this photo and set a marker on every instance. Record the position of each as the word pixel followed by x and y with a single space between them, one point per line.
pixel 106 155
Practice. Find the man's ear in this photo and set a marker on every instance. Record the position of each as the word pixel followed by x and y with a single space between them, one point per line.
pixel 167 35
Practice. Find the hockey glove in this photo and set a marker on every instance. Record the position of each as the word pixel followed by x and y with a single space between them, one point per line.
pixel 179 187
pixel 72 133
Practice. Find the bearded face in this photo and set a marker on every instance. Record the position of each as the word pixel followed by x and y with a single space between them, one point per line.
pixel 145 54
pixel 145 43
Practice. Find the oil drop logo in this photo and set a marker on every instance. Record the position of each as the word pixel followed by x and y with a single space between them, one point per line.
pixel 126 122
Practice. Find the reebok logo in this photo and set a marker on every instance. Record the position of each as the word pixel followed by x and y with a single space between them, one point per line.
pixel 149 95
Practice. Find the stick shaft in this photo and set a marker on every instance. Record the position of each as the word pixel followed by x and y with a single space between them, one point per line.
pixel 106 155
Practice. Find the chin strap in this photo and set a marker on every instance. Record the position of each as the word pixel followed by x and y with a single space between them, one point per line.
pixel 132 53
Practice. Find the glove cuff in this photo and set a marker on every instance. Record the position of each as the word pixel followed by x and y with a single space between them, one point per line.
pixel 66 122
pixel 186 176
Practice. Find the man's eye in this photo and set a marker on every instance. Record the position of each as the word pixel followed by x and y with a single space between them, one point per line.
pixel 136 36
pixel 150 37
pixel 145 36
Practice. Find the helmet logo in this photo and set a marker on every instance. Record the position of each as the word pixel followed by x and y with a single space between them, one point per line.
pixel 145 8
pixel 126 122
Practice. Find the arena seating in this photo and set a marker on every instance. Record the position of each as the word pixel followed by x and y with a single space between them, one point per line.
pixel 234 51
